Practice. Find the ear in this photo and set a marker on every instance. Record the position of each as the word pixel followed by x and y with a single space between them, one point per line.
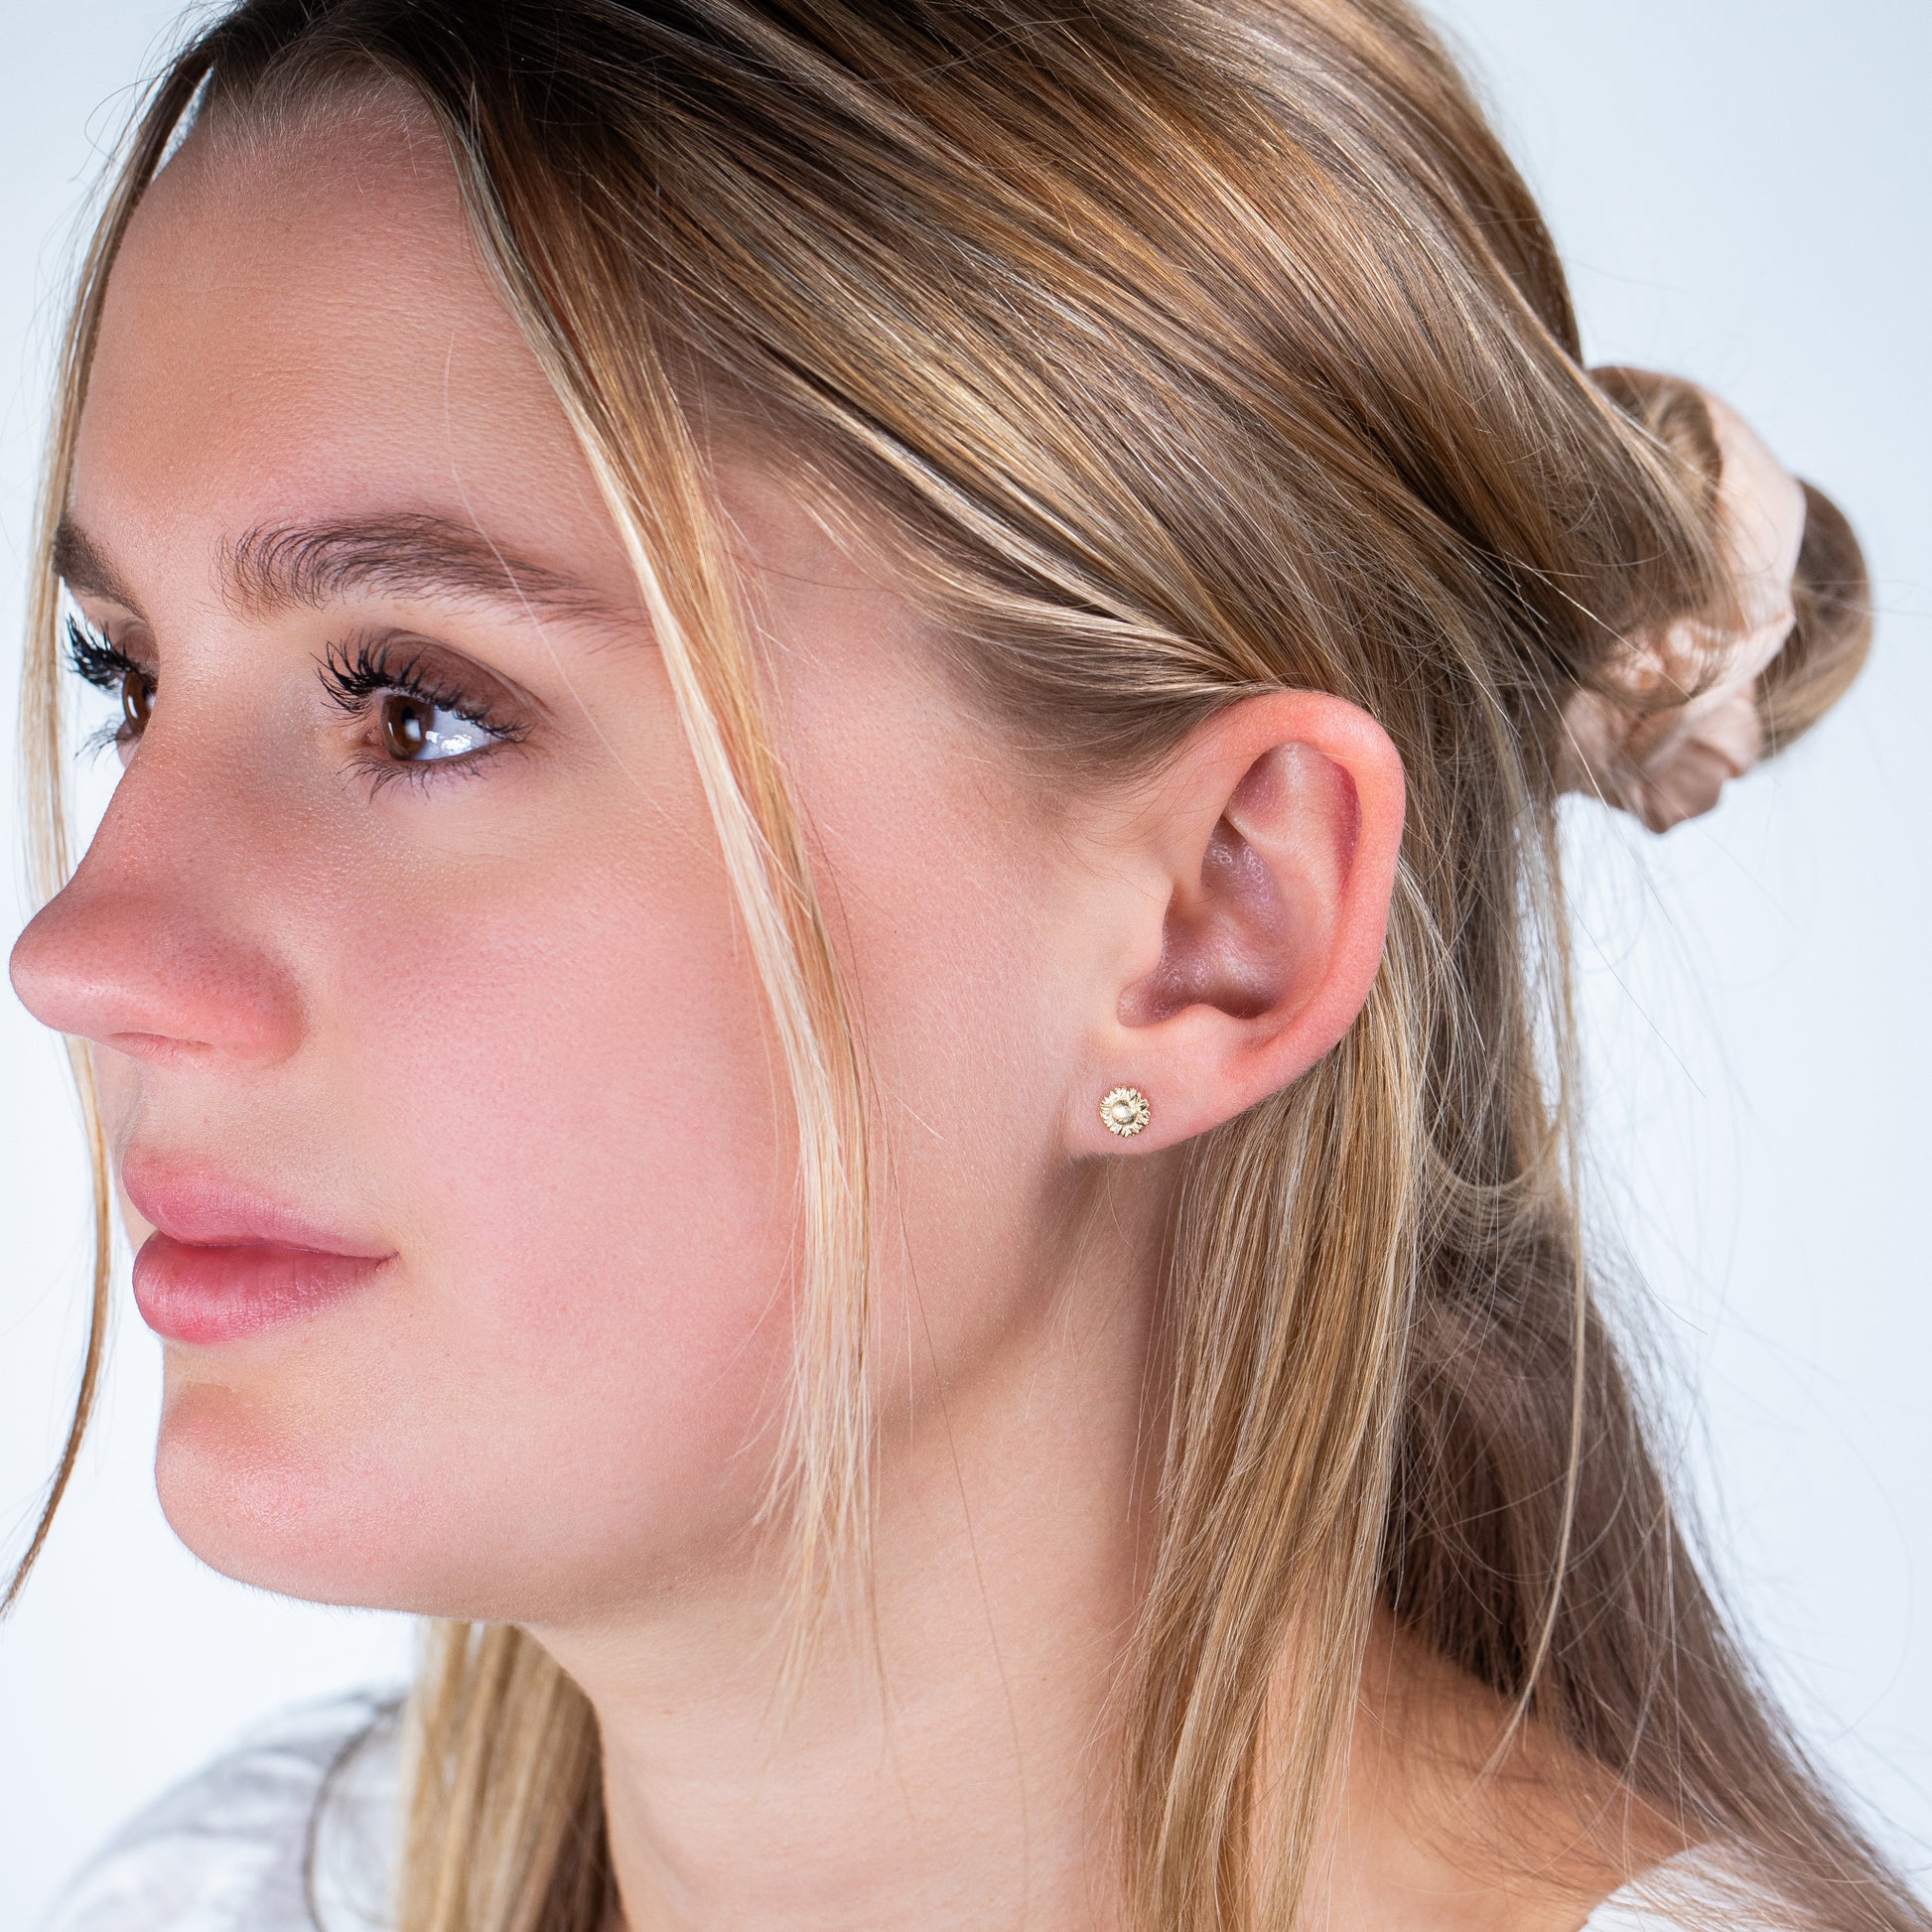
pixel 1242 921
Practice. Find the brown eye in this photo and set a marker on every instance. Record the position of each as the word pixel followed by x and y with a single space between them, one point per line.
pixel 404 723
pixel 417 731
pixel 137 700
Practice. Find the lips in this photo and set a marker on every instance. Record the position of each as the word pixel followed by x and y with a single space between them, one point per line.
pixel 225 1263
pixel 193 1293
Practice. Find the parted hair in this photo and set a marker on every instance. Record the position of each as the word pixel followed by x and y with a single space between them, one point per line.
pixel 1189 349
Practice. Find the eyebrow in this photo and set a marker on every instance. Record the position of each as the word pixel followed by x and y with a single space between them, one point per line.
pixel 277 567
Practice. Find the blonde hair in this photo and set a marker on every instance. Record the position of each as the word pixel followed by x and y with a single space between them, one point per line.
pixel 1192 350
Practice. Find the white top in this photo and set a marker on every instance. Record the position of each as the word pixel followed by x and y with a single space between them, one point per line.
pixel 294 1830
pixel 290 1831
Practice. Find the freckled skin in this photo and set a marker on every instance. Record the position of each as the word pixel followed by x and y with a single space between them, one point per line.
pixel 502 1027
pixel 503 1023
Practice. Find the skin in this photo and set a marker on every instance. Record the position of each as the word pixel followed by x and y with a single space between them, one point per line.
pixel 498 1025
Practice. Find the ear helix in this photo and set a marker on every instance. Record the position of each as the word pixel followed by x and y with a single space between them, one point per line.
pixel 1125 1111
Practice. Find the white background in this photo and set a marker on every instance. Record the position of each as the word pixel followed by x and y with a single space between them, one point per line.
pixel 1742 189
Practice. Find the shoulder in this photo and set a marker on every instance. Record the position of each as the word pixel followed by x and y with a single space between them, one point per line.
pixel 293 1824
pixel 1699 1891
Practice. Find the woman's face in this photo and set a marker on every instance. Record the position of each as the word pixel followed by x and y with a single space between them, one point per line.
pixel 405 939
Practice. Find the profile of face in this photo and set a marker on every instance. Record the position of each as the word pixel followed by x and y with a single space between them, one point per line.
pixel 409 956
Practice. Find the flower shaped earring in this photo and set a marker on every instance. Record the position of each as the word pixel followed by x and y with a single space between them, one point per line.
pixel 1125 1111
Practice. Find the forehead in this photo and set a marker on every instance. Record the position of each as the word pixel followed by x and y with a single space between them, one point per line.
pixel 301 326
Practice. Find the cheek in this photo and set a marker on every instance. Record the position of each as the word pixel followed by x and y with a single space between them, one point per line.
pixel 557 1095
pixel 971 1008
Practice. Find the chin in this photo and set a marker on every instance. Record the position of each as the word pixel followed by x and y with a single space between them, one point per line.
pixel 308 1501
pixel 254 1495
pixel 277 1502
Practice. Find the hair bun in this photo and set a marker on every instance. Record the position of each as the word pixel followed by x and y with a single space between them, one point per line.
pixel 1677 710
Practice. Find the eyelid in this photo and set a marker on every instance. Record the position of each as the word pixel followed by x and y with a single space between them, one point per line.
pixel 84 639
pixel 103 613
pixel 355 667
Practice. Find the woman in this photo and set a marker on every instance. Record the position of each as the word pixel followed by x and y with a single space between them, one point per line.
pixel 829 983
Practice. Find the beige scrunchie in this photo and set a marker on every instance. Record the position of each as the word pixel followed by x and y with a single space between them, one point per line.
pixel 1664 761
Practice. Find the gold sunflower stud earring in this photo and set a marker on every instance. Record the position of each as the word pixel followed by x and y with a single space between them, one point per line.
pixel 1125 1111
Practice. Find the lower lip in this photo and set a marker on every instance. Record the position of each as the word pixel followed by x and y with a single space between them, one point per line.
pixel 189 1293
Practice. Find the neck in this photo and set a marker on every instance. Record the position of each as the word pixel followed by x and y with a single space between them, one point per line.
pixel 950 1757
pixel 945 1760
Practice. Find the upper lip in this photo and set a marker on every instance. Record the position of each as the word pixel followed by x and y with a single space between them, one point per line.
pixel 209 1210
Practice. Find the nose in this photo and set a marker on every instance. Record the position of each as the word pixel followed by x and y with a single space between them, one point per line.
pixel 146 949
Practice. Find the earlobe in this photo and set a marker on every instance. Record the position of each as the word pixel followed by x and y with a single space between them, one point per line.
pixel 1275 835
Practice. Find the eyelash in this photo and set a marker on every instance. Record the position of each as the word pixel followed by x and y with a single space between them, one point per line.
pixel 92 657
pixel 366 668
pixel 106 667
pixel 352 674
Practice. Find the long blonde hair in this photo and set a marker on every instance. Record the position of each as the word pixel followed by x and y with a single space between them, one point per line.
pixel 1193 349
